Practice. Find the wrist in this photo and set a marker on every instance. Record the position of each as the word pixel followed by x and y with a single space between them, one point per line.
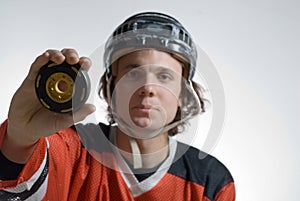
pixel 17 146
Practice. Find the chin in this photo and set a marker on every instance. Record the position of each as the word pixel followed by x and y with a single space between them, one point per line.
pixel 142 122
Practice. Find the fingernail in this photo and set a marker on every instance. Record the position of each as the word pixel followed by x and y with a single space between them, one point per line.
pixel 46 54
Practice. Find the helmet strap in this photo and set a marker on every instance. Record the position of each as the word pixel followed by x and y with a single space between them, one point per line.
pixel 136 154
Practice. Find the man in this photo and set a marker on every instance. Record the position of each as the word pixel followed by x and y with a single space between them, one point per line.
pixel 150 61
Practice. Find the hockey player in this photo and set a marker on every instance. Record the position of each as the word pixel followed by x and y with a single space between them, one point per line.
pixel 150 61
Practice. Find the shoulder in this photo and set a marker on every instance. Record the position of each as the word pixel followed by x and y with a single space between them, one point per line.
pixel 78 135
pixel 76 142
pixel 85 129
pixel 201 168
pixel 94 136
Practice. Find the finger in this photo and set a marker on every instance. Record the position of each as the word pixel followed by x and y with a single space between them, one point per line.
pixel 49 55
pixel 71 55
pixel 37 64
pixel 56 56
pixel 85 63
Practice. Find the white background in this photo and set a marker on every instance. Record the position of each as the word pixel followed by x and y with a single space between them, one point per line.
pixel 254 44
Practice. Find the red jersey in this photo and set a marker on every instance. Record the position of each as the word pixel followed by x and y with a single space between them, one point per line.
pixel 71 165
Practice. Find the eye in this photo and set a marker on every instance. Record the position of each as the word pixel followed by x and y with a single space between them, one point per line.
pixel 164 77
pixel 132 74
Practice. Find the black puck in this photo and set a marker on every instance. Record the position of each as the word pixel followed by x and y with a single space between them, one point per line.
pixel 62 88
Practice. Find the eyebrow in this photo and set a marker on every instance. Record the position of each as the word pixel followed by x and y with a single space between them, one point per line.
pixel 157 69
pixel 160 67
pixel 127 67
pixel 132 66
pixel 163 68
pixel 116 67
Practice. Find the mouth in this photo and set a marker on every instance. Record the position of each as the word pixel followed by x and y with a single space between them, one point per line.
pixel 145 108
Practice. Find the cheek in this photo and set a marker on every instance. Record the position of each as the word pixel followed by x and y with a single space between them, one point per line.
pixel 121 94
pixel 172 93
pixel 170 102
pixel 121 99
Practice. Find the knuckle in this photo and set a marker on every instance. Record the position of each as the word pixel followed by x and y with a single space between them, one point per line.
pixel 85 62
pixel 69 51
pixel 52 51
pixel 85 59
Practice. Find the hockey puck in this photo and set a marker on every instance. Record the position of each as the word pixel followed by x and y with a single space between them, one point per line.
pixel 62 88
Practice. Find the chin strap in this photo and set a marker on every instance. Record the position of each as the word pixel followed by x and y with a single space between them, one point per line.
pixel 136 154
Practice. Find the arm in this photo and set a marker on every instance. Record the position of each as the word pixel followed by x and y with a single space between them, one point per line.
pixel 227 193
pixel 28 120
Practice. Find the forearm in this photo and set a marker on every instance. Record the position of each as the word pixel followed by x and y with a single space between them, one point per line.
pixel 15 147
pixel 21 181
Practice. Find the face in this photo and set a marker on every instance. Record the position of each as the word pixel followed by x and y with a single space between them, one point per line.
pixel 147 89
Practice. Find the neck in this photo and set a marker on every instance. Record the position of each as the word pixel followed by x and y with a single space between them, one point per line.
pixel 153 151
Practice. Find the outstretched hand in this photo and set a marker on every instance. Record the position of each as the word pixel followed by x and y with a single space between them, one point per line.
pixel 28 120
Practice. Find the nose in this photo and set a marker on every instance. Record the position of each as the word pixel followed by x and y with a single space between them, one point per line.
pixel 147 90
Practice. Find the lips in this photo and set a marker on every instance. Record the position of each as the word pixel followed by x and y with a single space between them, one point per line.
pixel 145 108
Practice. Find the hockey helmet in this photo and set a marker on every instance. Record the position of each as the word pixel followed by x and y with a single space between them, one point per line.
pixel 152 30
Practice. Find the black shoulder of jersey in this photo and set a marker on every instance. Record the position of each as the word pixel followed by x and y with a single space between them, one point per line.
pixel 206 171
pixel 94 136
